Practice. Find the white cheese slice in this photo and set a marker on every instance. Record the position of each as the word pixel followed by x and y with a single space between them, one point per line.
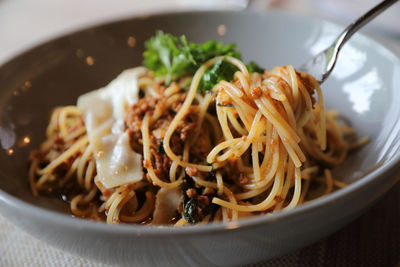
pixel 103 113
pixel 167 204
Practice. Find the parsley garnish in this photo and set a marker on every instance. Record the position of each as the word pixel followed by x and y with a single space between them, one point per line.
pixel 254 67
pixel 221 70
pixel 174 57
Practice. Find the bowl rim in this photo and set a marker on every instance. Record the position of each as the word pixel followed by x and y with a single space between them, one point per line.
pixel 8 201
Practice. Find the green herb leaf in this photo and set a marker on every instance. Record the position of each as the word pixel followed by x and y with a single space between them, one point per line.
pixel 167 55
pixel 190 211
pixel 254 67
pixel 205 51
pixel 221 70
pixel 174 57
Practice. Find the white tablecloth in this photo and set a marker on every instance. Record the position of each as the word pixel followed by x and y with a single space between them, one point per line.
pixel 18 248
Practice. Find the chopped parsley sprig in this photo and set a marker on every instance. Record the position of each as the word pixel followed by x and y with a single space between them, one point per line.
pixel 174 57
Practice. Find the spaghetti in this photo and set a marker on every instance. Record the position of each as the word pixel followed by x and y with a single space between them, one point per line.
pixel 255 145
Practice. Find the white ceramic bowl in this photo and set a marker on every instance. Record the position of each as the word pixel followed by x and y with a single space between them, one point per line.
pixel 364 87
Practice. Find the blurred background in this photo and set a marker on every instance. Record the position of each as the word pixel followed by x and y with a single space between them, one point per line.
pixel 25 23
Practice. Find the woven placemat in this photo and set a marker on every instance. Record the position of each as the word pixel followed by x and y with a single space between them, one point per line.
pixel 371 240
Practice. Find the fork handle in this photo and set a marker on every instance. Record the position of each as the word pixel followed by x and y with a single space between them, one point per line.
pixel 364 19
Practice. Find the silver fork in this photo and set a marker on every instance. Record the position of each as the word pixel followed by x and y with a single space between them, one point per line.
pixel 321 65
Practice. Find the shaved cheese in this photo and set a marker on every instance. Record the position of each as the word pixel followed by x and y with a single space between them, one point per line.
pixel 167 204
pixel 103 113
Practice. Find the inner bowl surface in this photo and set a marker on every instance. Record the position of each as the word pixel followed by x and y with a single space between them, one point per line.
pixel 363 87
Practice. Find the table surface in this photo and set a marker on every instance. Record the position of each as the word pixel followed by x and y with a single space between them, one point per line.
pixel 371 240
